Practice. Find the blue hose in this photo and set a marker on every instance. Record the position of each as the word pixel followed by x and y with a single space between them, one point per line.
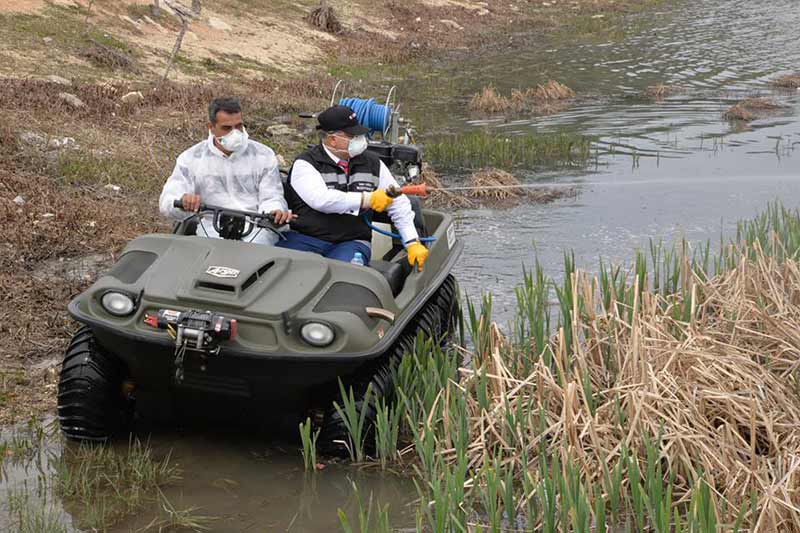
pixel 370 114
pixel 375 228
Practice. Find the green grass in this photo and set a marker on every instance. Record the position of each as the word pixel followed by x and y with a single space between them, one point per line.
pixel 29 514
pixel 95 486
pixel 66 26
pixel 101 485
pixel 479 150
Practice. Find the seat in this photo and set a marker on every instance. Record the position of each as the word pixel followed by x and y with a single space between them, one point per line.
pixel 395 274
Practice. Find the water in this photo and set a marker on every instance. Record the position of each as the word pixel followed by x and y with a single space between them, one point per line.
pixel 664 170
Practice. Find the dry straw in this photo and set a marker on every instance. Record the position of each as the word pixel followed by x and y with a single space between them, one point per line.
pixel 713 370
pixel 494 187
pixel 660 91
pixel 546 98
pixel 751 109
pixel 788 81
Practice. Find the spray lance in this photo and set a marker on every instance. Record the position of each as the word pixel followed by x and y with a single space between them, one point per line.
pixel 423 189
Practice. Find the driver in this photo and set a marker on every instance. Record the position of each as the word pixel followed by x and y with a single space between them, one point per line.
pixel 227 170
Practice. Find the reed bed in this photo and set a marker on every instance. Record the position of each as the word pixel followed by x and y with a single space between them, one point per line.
pixel 488 100
pixel 751 109
pixel 663 397
pixel 788 81
pixel 494 188
pixel 660 91
pixel 441 198
pixel 544 99
pixel 487 192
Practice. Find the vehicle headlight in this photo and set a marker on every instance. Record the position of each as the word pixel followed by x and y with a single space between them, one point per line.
pixel 117 303
pixel 317 334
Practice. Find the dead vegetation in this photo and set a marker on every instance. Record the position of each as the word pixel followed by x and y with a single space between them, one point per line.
pixel 788 81
pixel 544 99
pixel 488 100
pixel 324 18
pixel 438 197
pixel 102 55
pixel 660 91
pixel 751 109
pixel 494 188
pixel 705 377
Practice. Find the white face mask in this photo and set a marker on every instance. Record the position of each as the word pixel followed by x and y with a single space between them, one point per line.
pixel 234 141
pixel 357 145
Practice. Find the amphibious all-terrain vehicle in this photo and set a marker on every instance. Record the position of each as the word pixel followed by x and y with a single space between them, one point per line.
pixel 187 326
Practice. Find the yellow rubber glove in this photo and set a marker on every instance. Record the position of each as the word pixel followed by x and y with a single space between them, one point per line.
pixel 417 254
pixel 379 200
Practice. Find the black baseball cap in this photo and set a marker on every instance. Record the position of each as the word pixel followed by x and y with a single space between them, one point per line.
pixel 340 118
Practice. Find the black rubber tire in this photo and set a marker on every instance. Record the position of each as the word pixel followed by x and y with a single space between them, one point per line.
pixel 436 319
pixel 90 402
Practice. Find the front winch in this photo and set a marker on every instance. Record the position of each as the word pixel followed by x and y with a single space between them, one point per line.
pixel 195 330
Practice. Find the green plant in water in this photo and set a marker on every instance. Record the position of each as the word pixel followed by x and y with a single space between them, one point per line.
pixel 387 429
pixel 105 485
pixel 32 514
pixel 353 415
pixel 479 150
pixel 308 437
pixel 372 517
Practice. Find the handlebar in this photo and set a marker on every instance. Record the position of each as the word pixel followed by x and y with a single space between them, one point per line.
pixel 178 204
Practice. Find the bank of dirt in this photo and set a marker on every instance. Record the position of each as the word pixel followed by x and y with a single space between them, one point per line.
pixel 77 181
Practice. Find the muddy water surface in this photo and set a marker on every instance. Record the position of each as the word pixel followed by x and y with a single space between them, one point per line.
pixel 663 169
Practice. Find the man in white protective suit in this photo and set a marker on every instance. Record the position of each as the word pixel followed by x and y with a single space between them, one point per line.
pixel 227 170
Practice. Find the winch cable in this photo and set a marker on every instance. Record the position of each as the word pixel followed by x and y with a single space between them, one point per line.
pixel 369 113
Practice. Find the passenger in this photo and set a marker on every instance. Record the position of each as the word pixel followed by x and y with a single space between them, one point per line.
pixel 330 187
pixel 227 170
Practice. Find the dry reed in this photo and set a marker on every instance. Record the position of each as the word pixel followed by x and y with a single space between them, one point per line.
pixel 489 101
pixel 490 180
pixel 489 193
pixel 441 198
pixel 788 81
pixel 713 371
pixel 660 91
pixel 751 109
pixel 544 99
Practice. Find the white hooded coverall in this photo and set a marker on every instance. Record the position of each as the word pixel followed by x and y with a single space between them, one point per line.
pixel 247 180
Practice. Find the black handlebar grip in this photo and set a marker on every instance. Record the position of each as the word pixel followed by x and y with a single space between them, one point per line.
pixel 178 203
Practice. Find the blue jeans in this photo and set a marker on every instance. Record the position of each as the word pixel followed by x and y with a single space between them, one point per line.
pixel 341 251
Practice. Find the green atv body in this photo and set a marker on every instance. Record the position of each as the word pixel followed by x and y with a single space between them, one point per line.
pixel 218 329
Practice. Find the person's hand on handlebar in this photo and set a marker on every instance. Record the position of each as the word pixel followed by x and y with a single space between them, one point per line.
pixel 191 202
pixel 282 217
